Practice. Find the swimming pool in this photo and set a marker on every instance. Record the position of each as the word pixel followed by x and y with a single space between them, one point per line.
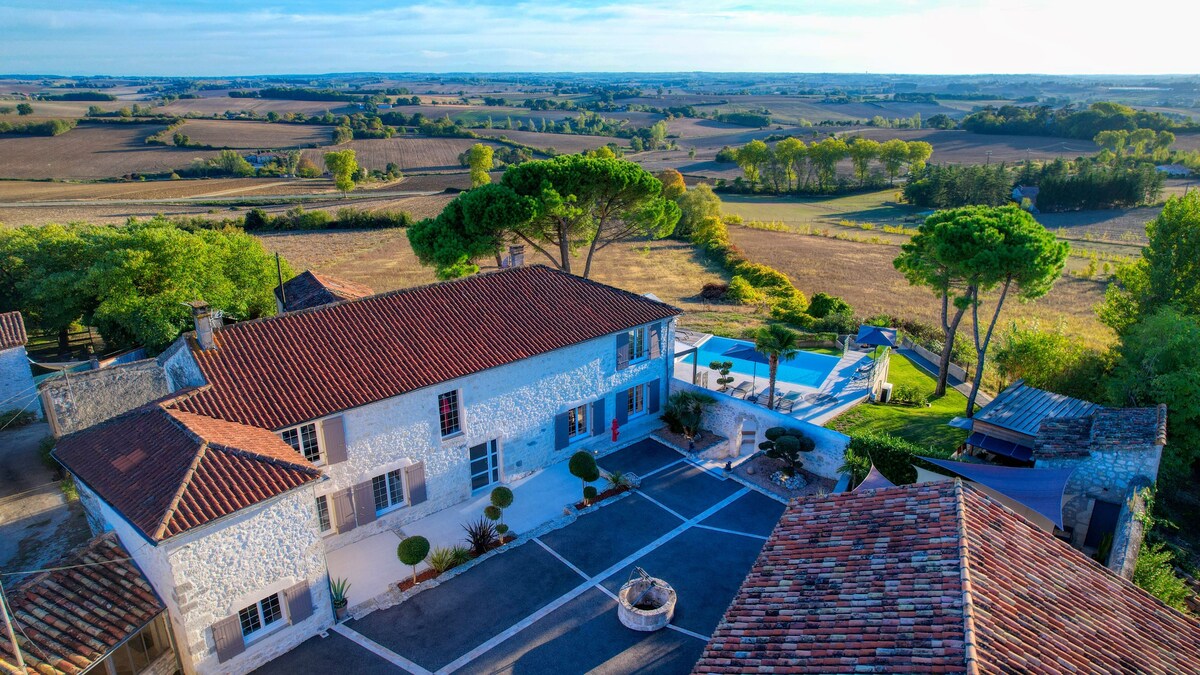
pixel 808 368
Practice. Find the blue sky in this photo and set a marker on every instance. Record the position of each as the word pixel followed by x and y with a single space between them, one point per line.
pixel 231 37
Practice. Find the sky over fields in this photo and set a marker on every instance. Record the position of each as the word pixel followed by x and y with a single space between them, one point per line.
pixel 241 37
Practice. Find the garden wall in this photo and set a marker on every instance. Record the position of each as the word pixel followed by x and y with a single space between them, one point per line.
pixel 955 370
pixel 727 417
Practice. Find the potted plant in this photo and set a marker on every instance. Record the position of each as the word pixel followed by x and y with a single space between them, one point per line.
pixel 338 588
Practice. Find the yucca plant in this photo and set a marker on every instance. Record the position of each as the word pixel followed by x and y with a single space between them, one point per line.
pixel 338 588
pixel 481 535
pixel 442 558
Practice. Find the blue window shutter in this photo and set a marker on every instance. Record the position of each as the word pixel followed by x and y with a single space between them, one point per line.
pixel 656 340
pixel 560 431
pixel 655 388
pixel 598 419
pixel 622 351
pixel 622 404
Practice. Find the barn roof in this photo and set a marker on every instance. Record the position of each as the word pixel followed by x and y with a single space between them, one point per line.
pixel 1021 408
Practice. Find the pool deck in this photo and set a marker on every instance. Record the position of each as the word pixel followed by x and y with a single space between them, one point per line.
pixel 847 390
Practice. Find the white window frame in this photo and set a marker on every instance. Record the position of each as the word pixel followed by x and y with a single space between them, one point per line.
pixel 574 414
pixel 492 450
pixel 299 431
pixel 392 490
pixel 639 336
pixel 263 627
pixel 325 499
pixel 458 414
pixel 637 394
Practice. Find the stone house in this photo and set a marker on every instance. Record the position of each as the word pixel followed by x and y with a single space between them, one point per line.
pixel 17 390
pixel 289 437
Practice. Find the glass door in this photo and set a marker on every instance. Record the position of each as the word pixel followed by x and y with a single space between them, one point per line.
pixel 485 465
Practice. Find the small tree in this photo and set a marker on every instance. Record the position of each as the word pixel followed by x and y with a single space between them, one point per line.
pixel 722 367
pixel 24 109
pixel 779 344
pixel 412 551
pixel 786 445
pixel 583 466
pixel 501 499
pixel 343 165
pixel 479 159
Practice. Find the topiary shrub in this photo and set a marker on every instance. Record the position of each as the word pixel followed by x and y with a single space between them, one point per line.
pixel 583 466
pixel 589 493
pixel 502 497
pixel 412 551
pixel 491 512
pixel 786 445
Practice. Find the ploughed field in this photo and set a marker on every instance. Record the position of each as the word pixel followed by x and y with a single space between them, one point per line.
pixel 247 135
pixel 92 151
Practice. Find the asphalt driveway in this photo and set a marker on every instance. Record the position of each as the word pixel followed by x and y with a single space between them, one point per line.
pixel 548 606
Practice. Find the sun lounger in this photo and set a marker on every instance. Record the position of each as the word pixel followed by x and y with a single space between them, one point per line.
pixel 786 403
pixel 742 390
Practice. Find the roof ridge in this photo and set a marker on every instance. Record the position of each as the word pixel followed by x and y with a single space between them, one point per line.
pixel 969 646
pixel 256 456
pixel 184 484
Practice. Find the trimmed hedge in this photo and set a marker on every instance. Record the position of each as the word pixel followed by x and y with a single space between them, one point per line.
pixel 892 456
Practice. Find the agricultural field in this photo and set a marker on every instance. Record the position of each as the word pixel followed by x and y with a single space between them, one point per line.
pixel 560 142
pixel 65 109
pixel 411 153
pixel 246 135
pixel 953 146
pixel 793 109
pixel 217 105
pixel 90 152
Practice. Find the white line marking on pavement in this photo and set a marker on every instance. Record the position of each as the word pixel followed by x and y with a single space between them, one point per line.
pixel 379 650
pixel 663 468
pixel 583 587
pixel 561 559
pixel 721 529
pixel 670 625
pixel 660 505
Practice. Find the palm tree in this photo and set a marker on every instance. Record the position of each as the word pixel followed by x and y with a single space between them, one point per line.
pixel 777 343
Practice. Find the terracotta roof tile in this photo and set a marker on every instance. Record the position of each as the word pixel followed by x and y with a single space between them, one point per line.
pixel 167 471
pixel 74 617
pixel 937 578
pixel 288 369
pixel 12 330
pixel 1129 429
pixel 309 289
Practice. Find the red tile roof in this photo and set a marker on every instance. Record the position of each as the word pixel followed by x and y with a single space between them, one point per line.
pixel 74 617
pixel 937 578
pixel 12 330
pixel 288 369
pixel 309 289
pixel 167 471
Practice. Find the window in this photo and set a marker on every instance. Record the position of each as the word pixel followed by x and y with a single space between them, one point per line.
pixel 303 440
pixel 448 413
pixel 636 401
pixel 637 344
pixel 323 519
pixel 485 465
pixel 260 615
pixel 389 490
pixel 577 422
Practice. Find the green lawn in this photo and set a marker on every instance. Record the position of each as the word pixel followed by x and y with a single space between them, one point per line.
pixel 831 351
pixel 923 426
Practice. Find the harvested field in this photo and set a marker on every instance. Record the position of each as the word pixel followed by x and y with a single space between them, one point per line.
pixel 953 146
pixel 560 142
pixel 1127 226
pixel 92 151
pixel 411 153
pixel 687 127
pixel 863 274
pixel 255 135
pixel 36 191
pixel 70 109
pixel 217 105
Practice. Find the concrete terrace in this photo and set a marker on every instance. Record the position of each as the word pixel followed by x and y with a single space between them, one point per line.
pixel 548 605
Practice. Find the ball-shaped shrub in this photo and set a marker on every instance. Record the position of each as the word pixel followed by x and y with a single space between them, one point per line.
pixel 491 512
pixel 583 466
pixel 589 493
pixel 502 497
pixel 412 551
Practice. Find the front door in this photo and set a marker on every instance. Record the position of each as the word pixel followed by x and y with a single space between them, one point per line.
pixel 485 465
pixel 1104 521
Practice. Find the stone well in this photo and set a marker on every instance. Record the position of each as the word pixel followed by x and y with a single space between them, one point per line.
pixel 646 604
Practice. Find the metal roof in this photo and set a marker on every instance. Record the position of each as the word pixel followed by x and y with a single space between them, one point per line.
pixel 1021 408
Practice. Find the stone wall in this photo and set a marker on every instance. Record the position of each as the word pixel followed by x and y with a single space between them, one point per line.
pixel 180 366
pixel 76 401
pixel 235 562
pixel 1104 475
pixel 514 404
pixel 728 415
pixel 955 369
pixel 1131 529
pixel 17 391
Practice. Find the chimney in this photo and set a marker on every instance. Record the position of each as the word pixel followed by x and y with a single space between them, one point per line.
pixel 516 255
pixel 202 317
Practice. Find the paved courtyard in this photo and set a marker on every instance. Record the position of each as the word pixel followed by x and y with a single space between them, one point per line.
pixel 548 606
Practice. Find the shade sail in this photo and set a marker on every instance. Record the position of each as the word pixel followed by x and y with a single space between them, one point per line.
pixel 1000 446
pixel 874 481
pixel 1038 489
pixel 876 337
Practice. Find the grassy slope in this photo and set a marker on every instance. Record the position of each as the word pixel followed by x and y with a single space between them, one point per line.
pixel 924 426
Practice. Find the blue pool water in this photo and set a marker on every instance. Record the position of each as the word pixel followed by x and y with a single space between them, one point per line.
pixel 808 368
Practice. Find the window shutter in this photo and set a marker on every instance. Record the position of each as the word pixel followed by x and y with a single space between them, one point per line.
pixel 560 431
pixel 414 482
pixel 333 439
pixel 655 339
pixel 343 510
pixel 227 636
pixel 299 602
pixel 622 351
pixel 622 411
pixel 655 392
pixel 364 502
pixel 598 417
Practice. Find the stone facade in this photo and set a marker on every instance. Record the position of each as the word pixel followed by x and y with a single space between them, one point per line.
pixel 514 404
pixel 730 416
pixel 77 401
pixel 210 573
pixel 1101 475
pixel 17 390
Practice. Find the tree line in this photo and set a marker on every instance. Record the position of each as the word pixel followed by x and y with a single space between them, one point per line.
pixel 792 166
pixel 1067 121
